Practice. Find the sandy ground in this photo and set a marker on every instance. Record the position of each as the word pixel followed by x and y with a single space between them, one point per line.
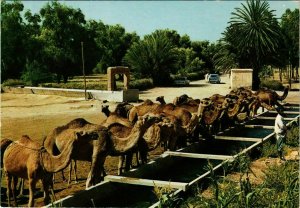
pixel 37 115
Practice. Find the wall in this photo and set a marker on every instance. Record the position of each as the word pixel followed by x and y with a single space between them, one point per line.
pixel 131 95
pixel 241 78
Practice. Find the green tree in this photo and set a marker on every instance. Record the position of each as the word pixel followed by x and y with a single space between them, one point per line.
pixel 290 28
pixel 62 32
pixel 224 59
pixel 13 40
pixel 255 34
pixel 113 42
pixel 154 57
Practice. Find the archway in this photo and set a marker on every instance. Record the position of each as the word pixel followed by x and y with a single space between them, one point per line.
pixel 112 71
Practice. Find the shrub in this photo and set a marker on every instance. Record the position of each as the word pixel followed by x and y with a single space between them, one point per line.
pixel 141 84
pixel 35 73
pixel 272 84
pixel 75 85
pixel 12 82
pixel 292 137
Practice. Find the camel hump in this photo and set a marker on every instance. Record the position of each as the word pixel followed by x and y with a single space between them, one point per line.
pixel 148 102
pixel 28 142
pixel 78 122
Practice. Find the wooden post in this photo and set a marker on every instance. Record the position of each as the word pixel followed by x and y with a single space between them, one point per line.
pixel 83 71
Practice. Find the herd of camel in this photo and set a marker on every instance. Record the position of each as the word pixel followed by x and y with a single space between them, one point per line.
pixel 126 131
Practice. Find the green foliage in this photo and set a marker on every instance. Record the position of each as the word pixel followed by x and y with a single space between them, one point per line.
pixel 35 74
pixel 292 137
pixel 253 36
pixel 13 40
pixel 154 57
pixel 284 179
pixel 269 149
pixel 290 29
pixel 141 84
pixel 164 194
pixel 272 84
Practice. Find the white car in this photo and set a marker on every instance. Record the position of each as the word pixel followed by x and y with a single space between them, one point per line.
pixel 214 78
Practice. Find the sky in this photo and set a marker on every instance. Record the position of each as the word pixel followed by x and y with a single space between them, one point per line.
pixel 200 20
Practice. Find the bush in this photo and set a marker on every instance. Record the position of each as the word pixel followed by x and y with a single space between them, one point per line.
pixel 141 84
pixel 75 85
pixel 272 84
pixel 35 73
pixel 292 137
pixel 190 76
pixel 12 82
pixel 195 76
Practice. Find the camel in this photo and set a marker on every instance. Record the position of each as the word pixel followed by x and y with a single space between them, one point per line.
pixel 140 110
pixel 270 98
pixel 189 104
pixel 98 144
pixel 184 99
pixel 210 113
pixel 22 159
pixel 122 110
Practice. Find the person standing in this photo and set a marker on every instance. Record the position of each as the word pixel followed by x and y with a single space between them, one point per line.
pixel 280 131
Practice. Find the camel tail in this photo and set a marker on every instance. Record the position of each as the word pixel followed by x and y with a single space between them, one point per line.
pixel 285 93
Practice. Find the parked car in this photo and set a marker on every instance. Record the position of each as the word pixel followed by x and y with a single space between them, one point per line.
pixel 182 81
pixel 214 78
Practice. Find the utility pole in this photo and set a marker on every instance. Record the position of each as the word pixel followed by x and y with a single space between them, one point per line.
pixel 83 71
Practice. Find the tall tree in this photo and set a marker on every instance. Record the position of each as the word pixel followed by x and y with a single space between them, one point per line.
pixel 113 42
pixel 255 34
pixel 13 39
pixel 154 57
pixel 62 33
pixel 290 28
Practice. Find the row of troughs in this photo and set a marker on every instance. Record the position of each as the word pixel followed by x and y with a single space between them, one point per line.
pixel 128 130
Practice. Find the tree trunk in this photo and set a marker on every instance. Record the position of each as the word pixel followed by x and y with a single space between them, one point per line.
pixel 256 80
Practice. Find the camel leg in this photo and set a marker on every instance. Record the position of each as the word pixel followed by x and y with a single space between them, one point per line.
pixel 70 173
pixel 14 187
pixel 128 161
pixel 32 184
pixel 21 187
pixel 120 164
pixel 75 171
pixel 8 182
pixel 46 185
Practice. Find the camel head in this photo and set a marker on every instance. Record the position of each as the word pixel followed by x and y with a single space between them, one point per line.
pixel 105 110
pixel 161 99
pixel 122 109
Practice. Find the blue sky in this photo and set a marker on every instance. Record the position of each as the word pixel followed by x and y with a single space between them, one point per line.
pixel 200 20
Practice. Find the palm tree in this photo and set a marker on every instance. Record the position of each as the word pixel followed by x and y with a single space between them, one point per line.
pixel 255 34
pixel 154 57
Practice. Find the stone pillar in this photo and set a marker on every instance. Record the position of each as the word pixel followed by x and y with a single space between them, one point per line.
pixel 126 80
pixel 241 78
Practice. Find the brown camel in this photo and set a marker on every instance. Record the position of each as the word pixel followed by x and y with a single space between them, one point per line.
pixel 210 113
pixel 97 145
pixel 271 98
pixel 184 99
pixel 187 103
pixel 122 110
pixel 142 109
pixel 22 159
